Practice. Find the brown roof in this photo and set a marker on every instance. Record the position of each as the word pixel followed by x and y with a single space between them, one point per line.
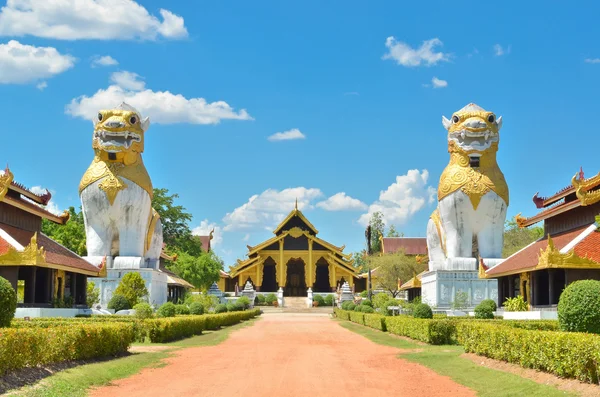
pixel 411 245
pixel 205 240
pixel 589 247
pixel 55 253
pixel 528 257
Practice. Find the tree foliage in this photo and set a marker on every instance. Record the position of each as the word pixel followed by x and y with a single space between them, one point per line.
pixel 392 232
pixel 132 287
pixel 360 261
pixel 516 238
pixel 92 295
pixel 174 219
pixel 71 234
pixel 377 230
pixel 395 269
pixel 201 271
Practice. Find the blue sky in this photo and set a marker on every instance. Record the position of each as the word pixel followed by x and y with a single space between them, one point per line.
pixel 217 79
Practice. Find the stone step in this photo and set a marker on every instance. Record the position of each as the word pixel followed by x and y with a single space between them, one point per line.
pixel 296 302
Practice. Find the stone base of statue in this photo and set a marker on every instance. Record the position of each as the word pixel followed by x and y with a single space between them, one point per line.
pixel 440 287
pixel 156 284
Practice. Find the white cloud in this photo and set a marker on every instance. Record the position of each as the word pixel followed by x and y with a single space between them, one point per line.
pixel 266 210
pixel 105 60
pixel 405 55
pixel 592 60
pixel 402 199
pixel 246 237
pixel 51 207
pixel 341 202
pixel 437 83
pixel 41 85
pixel 21 64
pixel 163 107
pixel 128 80
pixel 205 228
pixel 294 133
pixel 88 19
pixel 499 50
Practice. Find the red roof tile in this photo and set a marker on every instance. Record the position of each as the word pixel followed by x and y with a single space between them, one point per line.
pixel 528 256
pixel 411 245
pixel 589 247
pixel 55 253
pixel 4 246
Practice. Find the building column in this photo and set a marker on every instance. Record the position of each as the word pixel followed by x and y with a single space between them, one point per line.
pixel 281 264
pixel 551 287
pixel 74 287
pixel 310 264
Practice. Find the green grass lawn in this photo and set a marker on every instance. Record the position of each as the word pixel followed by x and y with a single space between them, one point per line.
pixel 446 360
pixel 76 381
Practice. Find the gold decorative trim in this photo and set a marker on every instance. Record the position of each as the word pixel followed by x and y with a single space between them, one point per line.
pixel 521 221
pixel 437 220
pixel 5 181
pixel 296 232
pixel 583 187
pixel 154 217
pixel 552 258
pixel 30 255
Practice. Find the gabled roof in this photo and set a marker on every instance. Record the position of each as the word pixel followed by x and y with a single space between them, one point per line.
pixel 296 213
pixel 410 245
pixel 414 282
pixel 576 248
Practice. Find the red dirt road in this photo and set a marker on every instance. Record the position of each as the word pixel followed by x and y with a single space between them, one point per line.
pixel 288 355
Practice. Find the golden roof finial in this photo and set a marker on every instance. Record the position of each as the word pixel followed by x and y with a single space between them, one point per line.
pixel 296 204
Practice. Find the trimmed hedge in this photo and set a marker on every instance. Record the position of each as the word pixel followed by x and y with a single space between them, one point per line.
pixel 342 314
pixel 579 307
pixel 357 317
pixel 29 347
pixel 566 354
pixel 434 332
pixel 168 329
pixel 376 321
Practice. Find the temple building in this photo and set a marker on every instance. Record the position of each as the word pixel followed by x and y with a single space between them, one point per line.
pixel 294 260
pixel 176 286
pixel 45 273
pixel 568 251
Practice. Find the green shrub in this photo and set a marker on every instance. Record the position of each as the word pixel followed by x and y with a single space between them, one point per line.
pixel 486 309
pixel 182 309
pixel 516 304
pixel 143 311
pixel 167 310
pixel 206 300
pixel 366 302
pixel 270 298
pixel 345 305
pixel 566 354
pixel 32 347
pixel 342 314
pixel 118 302
pixel 243 300
pixel 329 300
pixel 196 308
pixel 221 308
pixel 163 330
pixel 8 303
pixel 133 287
pixel 376 321
pixel 461 300
pixel 92 294
pixel 366 309
pixel 357 317
pixel 319 299
pixel 579 307
pixel 422 310
pixel 380 301
pixel 259 300
pixel 435 332
pixel 357 308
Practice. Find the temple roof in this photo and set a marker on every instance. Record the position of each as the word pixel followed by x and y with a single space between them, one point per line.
pixel 39 250
pixel 581 192
pixel 174 279
pixel 414 282
pixel 576 248
pixel 17 195
pixel 410 245
pixel 296 213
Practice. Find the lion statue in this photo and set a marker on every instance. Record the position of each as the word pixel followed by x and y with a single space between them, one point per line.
pixel 116 194
pixel 472 194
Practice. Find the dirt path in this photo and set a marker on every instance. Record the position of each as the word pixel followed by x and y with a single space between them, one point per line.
pixel 290 356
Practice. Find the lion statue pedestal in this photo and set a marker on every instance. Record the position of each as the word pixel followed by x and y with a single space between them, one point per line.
pixel 122 230
pixel 472 204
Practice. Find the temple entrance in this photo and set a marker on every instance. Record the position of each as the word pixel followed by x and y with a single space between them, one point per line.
pixel 269 282
pixel 295 284
pixel 322 280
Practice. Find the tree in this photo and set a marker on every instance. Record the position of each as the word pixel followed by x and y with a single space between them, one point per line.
pixel 132 287
pixel 174 218
pixel 516 238
pixel 360 261
pixel 93 294
pixel 71 234
pixel 393 233
pixel 201 270
pixel 377 230
pixel 392 270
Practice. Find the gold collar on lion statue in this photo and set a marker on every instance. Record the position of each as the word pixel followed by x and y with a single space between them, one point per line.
pixel 118 143
pixel 473 136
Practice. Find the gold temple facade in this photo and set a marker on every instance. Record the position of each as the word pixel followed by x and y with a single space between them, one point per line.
pixel 294 260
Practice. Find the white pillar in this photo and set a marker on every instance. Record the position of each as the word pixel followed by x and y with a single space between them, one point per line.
pixel 280 300
pixel 309 298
